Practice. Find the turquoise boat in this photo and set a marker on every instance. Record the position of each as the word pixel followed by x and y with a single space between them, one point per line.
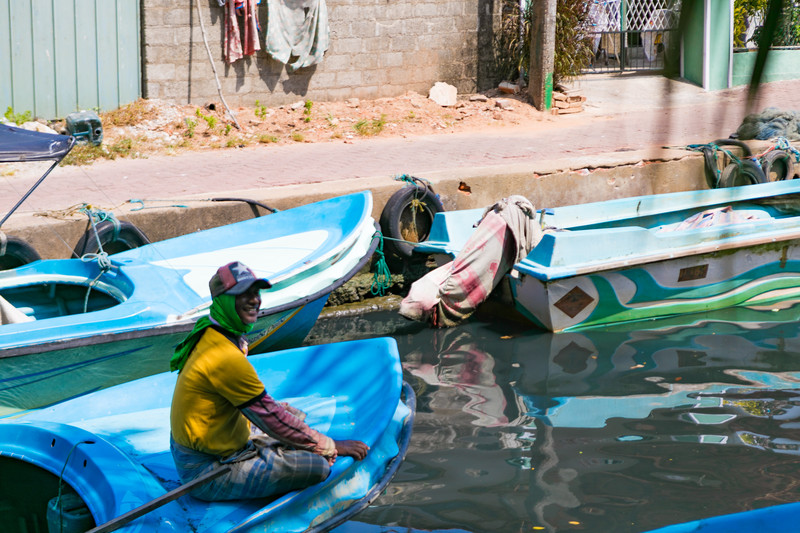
pixel 103 461
pixel 88 324
pixel 648 256
pixel 774 519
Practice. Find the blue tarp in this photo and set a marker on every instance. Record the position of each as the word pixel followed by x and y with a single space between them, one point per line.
pixel 17 144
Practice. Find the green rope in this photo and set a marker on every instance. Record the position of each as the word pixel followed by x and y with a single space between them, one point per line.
pixel 413 180
pixel 96 216
pixel 382 277
pixel 715 148
pixel 142 206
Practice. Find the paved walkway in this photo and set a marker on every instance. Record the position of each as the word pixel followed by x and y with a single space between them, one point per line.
pixel 622 113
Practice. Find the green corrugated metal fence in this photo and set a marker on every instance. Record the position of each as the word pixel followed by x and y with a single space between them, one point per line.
pixel 60 56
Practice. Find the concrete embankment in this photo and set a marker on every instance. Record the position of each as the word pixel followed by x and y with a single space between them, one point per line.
pixel 53 233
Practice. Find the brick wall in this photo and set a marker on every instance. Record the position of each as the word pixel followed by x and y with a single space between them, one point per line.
pixel 379 48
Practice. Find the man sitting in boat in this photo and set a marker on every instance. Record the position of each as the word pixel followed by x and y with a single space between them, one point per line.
pixel 222 414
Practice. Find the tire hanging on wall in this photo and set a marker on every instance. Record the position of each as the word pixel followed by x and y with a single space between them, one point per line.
pixel 113 240
pixel 746 172
pixel 777 165
pixel 407 216
pixel 15 252
pixel 713 170
pixel 749 173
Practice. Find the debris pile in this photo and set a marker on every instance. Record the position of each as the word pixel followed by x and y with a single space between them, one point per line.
pixel 567 101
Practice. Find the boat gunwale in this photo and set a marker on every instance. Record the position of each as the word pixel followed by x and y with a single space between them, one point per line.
pixel 546 273
pixel 183 326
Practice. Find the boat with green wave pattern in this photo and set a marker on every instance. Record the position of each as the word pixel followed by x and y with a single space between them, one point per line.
pixel 649 256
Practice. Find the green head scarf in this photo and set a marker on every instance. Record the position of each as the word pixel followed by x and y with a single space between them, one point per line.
pixel 222 312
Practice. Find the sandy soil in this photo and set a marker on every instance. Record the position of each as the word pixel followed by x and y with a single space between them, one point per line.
pixel 160 127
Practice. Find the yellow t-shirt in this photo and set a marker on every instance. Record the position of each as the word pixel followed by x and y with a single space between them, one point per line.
pixel 215 379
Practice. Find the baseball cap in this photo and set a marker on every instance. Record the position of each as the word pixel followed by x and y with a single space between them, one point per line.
pixel 235 278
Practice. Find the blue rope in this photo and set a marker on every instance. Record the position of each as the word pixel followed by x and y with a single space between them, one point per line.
pixel 382 277
pixel 782 143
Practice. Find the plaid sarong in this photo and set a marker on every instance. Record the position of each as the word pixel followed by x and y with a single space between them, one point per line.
pixel 264 468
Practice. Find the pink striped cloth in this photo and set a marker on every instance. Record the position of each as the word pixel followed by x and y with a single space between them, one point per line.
pixel 452 292
pixel 713 217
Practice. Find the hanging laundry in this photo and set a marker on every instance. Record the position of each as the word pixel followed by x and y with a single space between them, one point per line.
pixel 233 41
pixel 299 29
pixel 249 9
pixel 235 48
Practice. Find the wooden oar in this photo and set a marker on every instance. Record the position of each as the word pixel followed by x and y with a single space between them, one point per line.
pixel 174 494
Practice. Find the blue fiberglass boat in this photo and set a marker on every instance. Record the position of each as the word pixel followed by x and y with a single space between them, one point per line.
pixel 85 325
pixel 649 256
pixel 774 519
pixel 109 450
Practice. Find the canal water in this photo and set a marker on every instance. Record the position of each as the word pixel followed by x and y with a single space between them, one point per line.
pixel 620 429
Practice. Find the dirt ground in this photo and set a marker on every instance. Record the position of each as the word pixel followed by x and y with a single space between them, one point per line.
pixel 155 127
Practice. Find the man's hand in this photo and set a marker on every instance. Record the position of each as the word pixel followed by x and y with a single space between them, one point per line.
pixel 351 448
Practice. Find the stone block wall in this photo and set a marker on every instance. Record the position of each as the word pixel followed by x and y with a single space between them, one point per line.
pixel 378 49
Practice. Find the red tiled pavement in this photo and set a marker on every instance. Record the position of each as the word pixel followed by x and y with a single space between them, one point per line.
pixel 622 113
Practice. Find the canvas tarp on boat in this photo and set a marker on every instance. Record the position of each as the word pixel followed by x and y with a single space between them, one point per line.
pixel 17 144
pixel 506 233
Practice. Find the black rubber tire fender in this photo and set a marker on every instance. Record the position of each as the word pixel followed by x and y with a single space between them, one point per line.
pixel 713 169
pixel 749 174
pixel 734 142
pixel 17 253
pixel 408 216
pixel 710 167
pixel 777 165
pixel 127 238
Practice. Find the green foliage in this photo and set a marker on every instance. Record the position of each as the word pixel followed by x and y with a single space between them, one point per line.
pixel 511 47
pixel 211 121
pixel 266 139
pixel 572 48
pixel 307 111
pixel 127 115
pixel 122 148
pixel 298 137
pixel 18 118
pixel 85 153
pixel 787 33
pixel 236 142
pixel 191 124
pixel 260 110
pixel 368 128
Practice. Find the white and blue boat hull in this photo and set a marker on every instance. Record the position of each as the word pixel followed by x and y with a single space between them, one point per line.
pixel 93 328
pixel 640 258
pixel 111 447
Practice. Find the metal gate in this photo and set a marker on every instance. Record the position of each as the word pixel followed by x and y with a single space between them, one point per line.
pixel 631 34
pixel 60 56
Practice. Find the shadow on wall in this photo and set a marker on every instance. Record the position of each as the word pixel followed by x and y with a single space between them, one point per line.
pixel 486 75
pixel 269 70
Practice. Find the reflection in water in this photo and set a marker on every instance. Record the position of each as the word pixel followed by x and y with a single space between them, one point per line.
pixel 623 429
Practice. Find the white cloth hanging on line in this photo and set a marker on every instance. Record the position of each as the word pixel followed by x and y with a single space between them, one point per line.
pixel 298 29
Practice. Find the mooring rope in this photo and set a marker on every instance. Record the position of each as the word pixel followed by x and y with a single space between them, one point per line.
pixel 61 479
pixel 382 277
pixel 710 151
pixel 97 216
